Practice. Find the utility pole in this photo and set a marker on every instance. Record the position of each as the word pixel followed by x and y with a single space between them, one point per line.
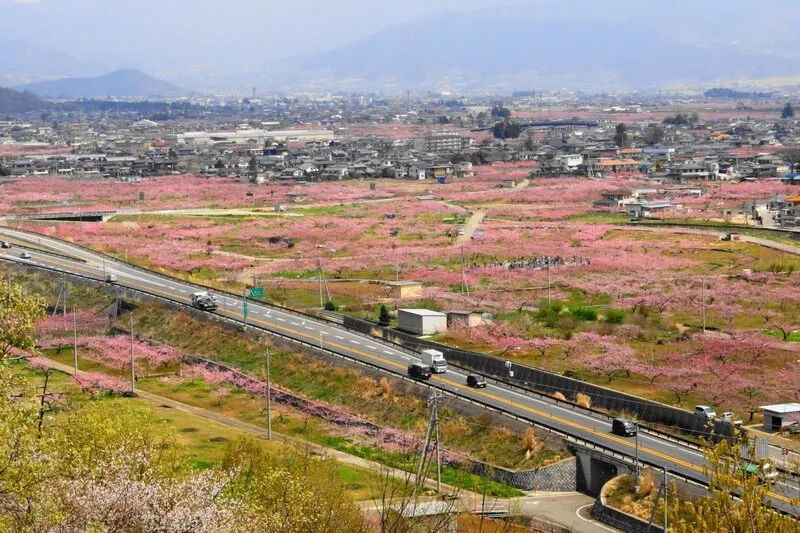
pixel 133 367
pixel 319 271
pixel 433 428
pixel 464 285
pixel 269 397
pixel 636 460
pixel 75 340
pixel 244 307
pixel 703 302
pixel 549 292
pixel 666 494
pixel 438 448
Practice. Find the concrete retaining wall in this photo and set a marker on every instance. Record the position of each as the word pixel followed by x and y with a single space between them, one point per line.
pixel 558 477
pixel 617 519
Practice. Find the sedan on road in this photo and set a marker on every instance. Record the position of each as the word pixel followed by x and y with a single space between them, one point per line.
pixel 25 255
pixel 476 382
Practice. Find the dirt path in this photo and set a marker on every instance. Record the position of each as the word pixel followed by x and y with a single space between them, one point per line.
pixel 470 226
pixel 522 185
pixel 788 248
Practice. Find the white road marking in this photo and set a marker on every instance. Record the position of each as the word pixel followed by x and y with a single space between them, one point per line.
pixel 578 513
pixel 279 318
pixel 372 347
pixel 387 352
pixel 340 338
pixel 355 342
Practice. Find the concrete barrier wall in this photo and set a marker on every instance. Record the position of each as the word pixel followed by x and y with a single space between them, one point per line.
pixel 621 521
pixel 617 519
pixel 549 383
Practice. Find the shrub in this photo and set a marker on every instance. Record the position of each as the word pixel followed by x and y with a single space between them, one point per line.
pixel 559 396
pixel 386 389
pixel 453 429
pixel 529 442
pixel 646 484
pixel 583 400
pixel 501 433
pixel 584 313
pixel 330 306
pixel 615 316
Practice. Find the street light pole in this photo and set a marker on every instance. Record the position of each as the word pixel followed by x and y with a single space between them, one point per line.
pixel 133 370
pixel 75 340
pixel 269 397
pixel 244 307
pixel 636 460
pixel 703 302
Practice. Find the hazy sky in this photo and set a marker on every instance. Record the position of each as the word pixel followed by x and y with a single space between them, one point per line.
pixel 203 32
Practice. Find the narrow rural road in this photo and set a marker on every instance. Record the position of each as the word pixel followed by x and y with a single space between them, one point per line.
pixel 470 226
pixel 788 248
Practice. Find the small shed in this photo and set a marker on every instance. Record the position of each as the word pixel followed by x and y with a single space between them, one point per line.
pixel 405 290
pixel 297 197
pixel 777 417
pixel 421 321
pixel 464 319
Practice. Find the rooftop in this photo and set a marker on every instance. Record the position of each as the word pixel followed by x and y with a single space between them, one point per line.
pixel 783 408
pixel 422 312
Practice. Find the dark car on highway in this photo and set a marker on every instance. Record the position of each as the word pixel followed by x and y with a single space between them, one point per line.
pixel 419 371
pixel 623 427
pixel 476 382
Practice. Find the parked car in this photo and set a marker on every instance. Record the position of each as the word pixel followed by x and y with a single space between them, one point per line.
pixel 419 371
pixel 705 412
pixel 623 427
pixel 476 382
pixel 5 244
pixel 25 255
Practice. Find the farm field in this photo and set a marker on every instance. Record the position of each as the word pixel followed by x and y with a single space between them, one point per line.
pixel 662 314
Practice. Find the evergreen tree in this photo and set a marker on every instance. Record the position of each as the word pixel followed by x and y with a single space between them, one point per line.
pixel 383 316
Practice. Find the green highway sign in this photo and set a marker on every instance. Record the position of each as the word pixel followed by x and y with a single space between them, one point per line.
pixel 256 292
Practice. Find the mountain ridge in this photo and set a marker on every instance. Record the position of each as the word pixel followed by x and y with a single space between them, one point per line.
pixel 122 83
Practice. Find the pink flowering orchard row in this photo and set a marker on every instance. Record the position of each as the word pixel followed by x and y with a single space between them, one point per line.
pixel 390 439
pixel 63 323
pixel 98 383
pixel 115 352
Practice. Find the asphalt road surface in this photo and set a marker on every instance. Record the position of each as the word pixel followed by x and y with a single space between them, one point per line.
pixel 681 459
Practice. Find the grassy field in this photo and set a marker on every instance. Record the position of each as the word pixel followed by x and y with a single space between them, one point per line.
pixel 204 441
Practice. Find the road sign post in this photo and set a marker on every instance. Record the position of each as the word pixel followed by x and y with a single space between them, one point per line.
pixel 257 292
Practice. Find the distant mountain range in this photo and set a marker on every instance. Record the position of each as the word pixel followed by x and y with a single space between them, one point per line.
pixel 22 61
pixel 482 50
pixel 120 83
pixel 14 102
pixel 535 44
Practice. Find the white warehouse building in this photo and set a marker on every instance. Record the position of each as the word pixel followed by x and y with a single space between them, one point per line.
pixel 421 321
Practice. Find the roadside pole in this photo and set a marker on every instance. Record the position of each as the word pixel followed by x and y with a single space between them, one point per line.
pixel 269 397
pixel 75 340
pixel 133 366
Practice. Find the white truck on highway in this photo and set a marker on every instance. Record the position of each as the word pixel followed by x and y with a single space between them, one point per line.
pixel 204 301
pixel 434 359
